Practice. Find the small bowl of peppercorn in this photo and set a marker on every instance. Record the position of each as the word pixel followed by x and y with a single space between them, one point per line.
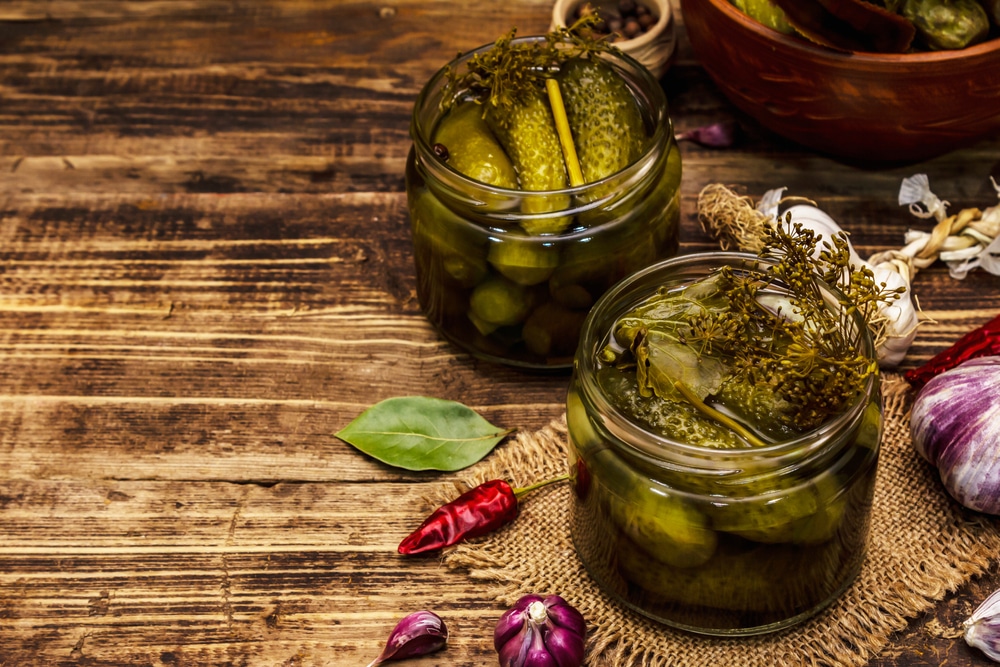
pixel 644 29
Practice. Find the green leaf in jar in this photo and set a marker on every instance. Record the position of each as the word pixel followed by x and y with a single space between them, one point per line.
pixel 662 361
pixel 423 433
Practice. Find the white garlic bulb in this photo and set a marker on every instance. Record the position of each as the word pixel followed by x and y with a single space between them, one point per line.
pixel 900 315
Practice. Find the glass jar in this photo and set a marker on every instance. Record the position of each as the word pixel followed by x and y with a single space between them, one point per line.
pixel 512 297
pixel 734 541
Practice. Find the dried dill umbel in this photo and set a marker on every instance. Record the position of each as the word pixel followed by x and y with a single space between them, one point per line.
pixel 772 344
pixel 737 223
pixel 509 71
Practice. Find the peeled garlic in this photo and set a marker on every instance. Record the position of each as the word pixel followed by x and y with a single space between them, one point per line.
pixel 982 629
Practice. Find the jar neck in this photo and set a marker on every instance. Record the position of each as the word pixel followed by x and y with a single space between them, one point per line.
pixel 655 449
pixel 501 207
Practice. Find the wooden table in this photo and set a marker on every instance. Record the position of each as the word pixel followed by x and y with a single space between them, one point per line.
pixel 206 271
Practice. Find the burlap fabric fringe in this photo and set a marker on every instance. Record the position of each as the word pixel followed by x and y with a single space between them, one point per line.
pixel 923 546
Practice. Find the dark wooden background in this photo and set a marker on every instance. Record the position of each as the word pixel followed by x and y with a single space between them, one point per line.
pixel 205 272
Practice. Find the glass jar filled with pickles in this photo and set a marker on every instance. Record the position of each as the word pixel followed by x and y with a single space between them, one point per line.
pixel 543 170
pixel 725 418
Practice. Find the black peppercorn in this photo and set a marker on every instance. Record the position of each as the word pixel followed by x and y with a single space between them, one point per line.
pixel 441 151
pixel 621 19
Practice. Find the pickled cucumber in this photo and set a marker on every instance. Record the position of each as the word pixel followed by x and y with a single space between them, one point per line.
pixel 677 420
pixel 438 234
pixel 472 148
pixel 527 133
pixel 758 404
pixel 603 115
pixel 524 261
pixel 778 512
pixel 766 13
pixel 500 302
pixel 948 24
pixel 667 528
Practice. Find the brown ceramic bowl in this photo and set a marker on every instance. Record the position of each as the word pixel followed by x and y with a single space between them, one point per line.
pixel 861 107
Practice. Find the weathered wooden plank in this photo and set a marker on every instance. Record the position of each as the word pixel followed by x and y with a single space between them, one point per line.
pixel 181 439
pixel 201 570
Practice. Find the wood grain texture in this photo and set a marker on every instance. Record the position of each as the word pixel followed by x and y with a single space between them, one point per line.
pixel 206 271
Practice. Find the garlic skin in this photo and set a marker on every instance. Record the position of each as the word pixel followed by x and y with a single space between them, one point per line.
pixel 964 242
pixel 955 425
pixel 982 629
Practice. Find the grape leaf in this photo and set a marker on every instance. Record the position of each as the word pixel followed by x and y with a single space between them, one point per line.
pixel 422 433
pixel 662 361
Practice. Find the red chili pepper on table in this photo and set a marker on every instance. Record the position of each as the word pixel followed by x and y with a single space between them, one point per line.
pixel 478 511
pixel 979 342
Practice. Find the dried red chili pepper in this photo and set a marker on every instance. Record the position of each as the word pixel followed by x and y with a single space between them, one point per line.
pixel 478 511
pixel 979 342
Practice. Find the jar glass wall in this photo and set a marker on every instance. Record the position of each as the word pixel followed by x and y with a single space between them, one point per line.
pixel 518 298
pixel 717 541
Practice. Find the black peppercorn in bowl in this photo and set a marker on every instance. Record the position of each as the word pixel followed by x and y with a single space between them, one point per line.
pixel 710 514
pixel 509 274
pixel 644 29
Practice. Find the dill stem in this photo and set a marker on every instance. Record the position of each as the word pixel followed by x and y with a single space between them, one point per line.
pixel 564 132
pixel 724 419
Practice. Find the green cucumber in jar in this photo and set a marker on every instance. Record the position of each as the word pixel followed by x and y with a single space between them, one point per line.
pixel 523 260
pixel 528 134
pixel 499 302
pixel 471 147
pixel 604 117
pixel 666 527
pixel 440 238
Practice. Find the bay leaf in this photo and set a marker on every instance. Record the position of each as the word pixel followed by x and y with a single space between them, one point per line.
pixel 422 433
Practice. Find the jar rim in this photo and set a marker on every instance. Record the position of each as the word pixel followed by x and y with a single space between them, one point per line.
pixel 658 449
pixel 648 91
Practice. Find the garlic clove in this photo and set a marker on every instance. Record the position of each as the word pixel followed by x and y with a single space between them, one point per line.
pixel 982 629
pixel 417 634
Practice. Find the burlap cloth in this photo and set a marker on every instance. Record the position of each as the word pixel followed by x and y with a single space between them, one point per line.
pixel 923 545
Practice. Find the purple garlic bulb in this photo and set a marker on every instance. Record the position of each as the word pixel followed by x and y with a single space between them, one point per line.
pixel 955 424
pixel 540 632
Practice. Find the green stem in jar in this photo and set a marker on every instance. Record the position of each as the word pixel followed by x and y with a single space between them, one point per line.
pixel 564 132
pixel 712 413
